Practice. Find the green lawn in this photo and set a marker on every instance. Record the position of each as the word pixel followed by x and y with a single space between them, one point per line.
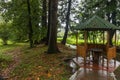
pixel 35 64
pixel 5 57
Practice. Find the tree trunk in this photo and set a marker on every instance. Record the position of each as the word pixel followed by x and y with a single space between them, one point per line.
pixel 44 18
pixel 113 18
pixel 48 29
pixel 52 46
pixel 114 22
pixel 67 23
pixel 30 24
pixel 4 41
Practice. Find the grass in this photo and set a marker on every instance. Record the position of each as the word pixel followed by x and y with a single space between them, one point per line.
pixel 5 57
pixel 5 60
pixel 10 47
pixel 70 40
pixel 35 64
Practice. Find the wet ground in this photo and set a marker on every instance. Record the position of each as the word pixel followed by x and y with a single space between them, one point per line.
pixel 93 71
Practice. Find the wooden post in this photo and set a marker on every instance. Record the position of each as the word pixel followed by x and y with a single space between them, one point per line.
pixel 115 38
pixel 76 38
pixel 108 36
pixel 85 39
pixel 103 38
pixel 77 46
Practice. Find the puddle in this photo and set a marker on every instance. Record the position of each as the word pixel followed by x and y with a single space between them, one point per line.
pixel 92 71
pixel 73 66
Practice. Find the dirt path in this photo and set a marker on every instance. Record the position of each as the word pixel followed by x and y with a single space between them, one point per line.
pixel 16 60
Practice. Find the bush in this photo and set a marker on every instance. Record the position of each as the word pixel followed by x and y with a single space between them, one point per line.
pixel 4 32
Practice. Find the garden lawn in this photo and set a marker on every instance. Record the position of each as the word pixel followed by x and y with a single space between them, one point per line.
pixel 35 64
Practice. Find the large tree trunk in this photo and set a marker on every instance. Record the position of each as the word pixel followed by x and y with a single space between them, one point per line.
pixel 52 46
pixel 30 24
pixel 67 23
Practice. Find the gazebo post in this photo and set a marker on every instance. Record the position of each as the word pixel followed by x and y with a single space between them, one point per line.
pixel 76 45
pixel 76 38
pixel 116 47
pixel 107 45
pixel 85 39
pixel 85 43
pixel 108 38
pixel 115 38
pixel 103 38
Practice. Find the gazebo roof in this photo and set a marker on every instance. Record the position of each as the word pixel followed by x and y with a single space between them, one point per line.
pixel 96 23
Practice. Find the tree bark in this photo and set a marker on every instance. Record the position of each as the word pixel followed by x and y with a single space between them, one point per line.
pixel 44 18
pixel 67 23
pixel 52 46
pixel 113 18
pixel 30 24
pixel 48 29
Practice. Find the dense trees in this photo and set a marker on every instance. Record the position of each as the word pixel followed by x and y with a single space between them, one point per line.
pixel 36 20
pixel 5 32
pixel 22 15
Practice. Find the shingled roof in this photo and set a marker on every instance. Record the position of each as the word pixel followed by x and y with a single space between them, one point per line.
pixel 96 23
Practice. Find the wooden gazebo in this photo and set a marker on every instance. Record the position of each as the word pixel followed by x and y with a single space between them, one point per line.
pixel 94 24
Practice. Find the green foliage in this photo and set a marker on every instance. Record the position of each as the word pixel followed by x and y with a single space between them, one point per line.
pixel 5 32
pixel 17 12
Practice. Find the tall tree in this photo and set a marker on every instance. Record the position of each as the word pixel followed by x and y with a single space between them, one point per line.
pixel 30 24
pixel 67 23
pixel 48 29
pixel 17 12
pixel 111 14
pixel 52 46
pixel 44 19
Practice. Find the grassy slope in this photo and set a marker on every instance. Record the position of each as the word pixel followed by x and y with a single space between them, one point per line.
pixel 5 57
pixel 37 65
